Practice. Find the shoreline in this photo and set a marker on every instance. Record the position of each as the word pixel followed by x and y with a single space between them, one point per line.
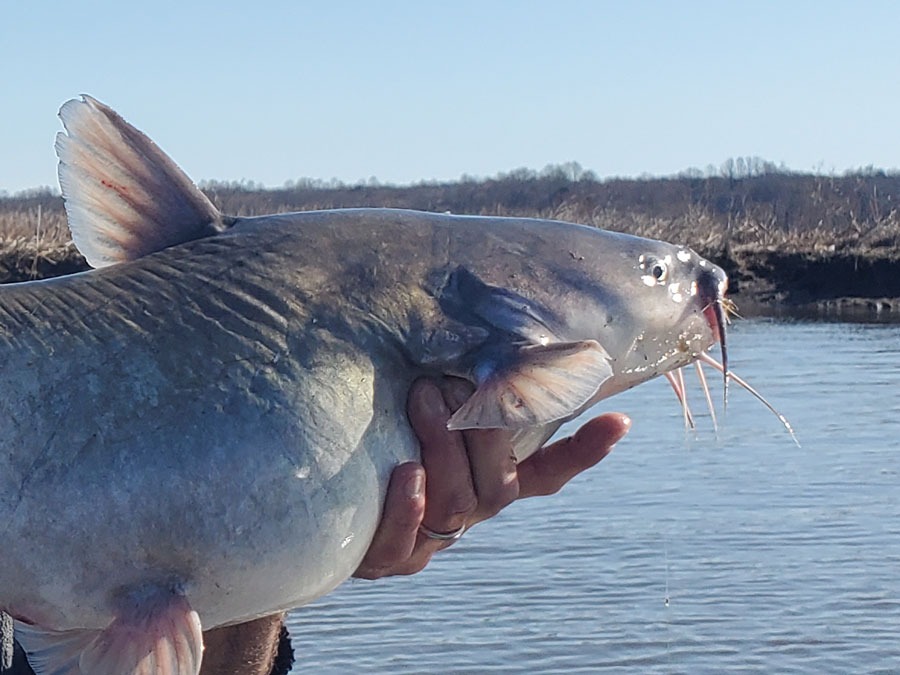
pixel 854 286
pixel 860 287
pixel 840 310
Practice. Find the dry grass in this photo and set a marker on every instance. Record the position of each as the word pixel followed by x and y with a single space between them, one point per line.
pixel 710 233
pixel 46 227
pixel 35 241
pixel 43 232
pixel 35 244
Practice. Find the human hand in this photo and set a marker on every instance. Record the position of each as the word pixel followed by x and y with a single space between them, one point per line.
pixel 471 476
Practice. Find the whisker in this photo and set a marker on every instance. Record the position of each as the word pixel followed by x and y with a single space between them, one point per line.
pixel 731 309
pixel 706 358
pixel 688 418
pixel 721 321
pixel 679 392
pixel 712 411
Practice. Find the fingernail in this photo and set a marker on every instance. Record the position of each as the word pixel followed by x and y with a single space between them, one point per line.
pixel 415 486
pixel 433 401
pixel 626 426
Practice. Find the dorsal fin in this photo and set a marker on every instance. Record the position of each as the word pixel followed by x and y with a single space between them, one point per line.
pixel 125 198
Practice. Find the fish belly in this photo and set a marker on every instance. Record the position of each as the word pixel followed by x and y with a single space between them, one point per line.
pixel 253 491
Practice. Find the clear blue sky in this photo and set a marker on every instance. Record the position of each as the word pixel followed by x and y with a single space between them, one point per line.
pixel 404 91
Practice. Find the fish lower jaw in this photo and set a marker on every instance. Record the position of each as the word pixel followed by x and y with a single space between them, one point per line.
pixel 649 367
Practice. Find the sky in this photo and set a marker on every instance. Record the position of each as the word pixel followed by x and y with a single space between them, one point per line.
pixel 408 91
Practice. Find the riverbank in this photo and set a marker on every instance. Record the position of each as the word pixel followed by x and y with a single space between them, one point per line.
pixel 23 259
pixel 792 244
pixel 838 285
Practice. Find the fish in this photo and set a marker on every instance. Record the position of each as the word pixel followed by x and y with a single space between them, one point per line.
pixel 200 430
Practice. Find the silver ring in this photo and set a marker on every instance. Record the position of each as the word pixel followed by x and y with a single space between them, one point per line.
pixel 442 536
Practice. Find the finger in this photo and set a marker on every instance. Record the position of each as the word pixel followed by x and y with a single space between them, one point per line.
pixel 450 495
pixel 491 458
pixel 551 467
pixel 395 537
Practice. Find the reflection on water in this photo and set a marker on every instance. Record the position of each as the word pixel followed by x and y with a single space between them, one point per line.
pixel 773 558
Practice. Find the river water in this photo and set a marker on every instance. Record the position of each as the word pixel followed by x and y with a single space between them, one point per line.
pixel 676 554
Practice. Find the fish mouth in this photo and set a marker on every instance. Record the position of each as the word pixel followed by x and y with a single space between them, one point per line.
pixel 716 309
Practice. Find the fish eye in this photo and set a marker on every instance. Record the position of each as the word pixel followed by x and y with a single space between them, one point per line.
pixel 654 270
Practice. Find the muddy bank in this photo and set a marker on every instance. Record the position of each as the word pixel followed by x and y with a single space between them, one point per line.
pixel 855 286
pixel 836 285
pixel 20 260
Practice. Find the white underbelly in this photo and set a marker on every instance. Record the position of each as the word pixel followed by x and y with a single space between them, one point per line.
pixel 246 541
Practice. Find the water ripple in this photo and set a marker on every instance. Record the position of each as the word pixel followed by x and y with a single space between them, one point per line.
pixel 772 558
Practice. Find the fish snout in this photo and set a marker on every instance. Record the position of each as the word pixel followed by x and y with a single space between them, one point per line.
pixel 712 283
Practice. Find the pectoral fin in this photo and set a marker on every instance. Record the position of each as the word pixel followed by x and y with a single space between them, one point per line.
pixel 159 635
pixel 542 384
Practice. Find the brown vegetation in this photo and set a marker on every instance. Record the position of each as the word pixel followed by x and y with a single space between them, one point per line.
pixel 783 237
pixel 34 239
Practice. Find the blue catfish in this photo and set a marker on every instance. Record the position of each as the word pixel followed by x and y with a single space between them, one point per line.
pixel 202 428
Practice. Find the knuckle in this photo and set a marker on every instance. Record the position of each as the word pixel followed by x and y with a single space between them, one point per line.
pixel 460 505
pixel 414 565
pixel 495 500
pixel 390 555
pixel 405 521
pixel 369 573
pixel 548 487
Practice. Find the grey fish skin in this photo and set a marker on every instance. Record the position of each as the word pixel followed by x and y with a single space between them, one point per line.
pixel 205 433
pixel 202 414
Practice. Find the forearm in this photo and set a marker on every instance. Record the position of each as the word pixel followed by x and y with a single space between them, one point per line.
pixel 246 649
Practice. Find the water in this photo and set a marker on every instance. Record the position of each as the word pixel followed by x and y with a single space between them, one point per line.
pixel 773 558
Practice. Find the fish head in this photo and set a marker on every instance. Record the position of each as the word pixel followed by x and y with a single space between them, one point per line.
pixel 597 313
pixel 667 309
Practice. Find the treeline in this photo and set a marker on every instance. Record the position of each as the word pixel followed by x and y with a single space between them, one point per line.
pixel 746 201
